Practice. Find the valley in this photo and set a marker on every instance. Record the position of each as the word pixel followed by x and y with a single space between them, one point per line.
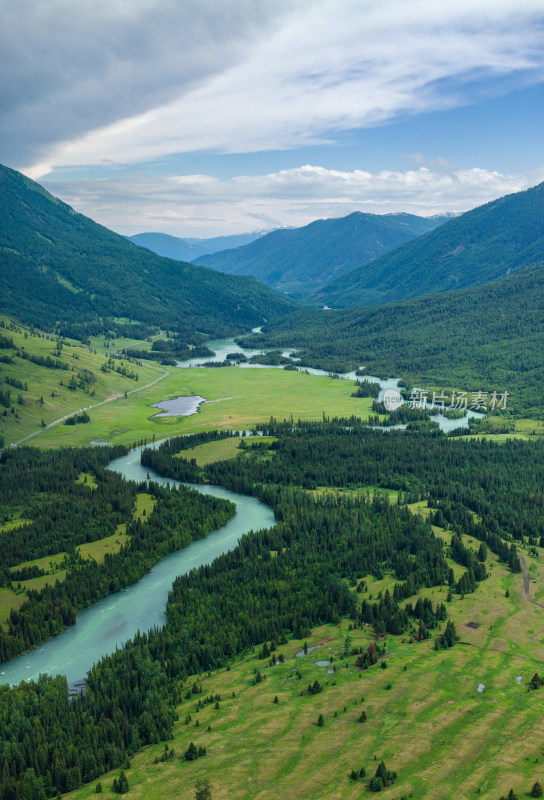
pixel 161 576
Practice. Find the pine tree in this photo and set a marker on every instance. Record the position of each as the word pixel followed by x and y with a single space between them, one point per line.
pixel 191 753
pixel 203 790
pixel 320 721
pixel 536 791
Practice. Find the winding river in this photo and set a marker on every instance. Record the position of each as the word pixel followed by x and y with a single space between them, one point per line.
pixel 107 624
pixel 110 622
pixel 221 347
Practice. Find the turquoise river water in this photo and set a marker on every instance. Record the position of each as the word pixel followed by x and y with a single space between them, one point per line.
pixel 107 624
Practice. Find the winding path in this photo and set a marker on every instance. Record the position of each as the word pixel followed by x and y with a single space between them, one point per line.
pixel 526 584
pixel 88 408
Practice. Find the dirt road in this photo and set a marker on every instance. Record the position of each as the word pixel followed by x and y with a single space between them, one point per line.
pixel 526 583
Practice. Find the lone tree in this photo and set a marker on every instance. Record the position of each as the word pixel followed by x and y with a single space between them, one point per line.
pixel 320 721
pixel 536 791
pixel 203 789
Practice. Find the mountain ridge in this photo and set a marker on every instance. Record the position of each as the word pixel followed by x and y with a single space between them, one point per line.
pixel 481 245
pixel 59 268
pixel 189 249
pixel 298 261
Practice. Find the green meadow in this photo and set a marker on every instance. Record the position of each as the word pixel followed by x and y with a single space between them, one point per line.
pixel 425 717
pixel 236 399
pixel 46 395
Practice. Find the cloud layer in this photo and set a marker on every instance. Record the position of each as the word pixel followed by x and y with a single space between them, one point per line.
pixel 72 67
pixel 130 82
pixel 200 205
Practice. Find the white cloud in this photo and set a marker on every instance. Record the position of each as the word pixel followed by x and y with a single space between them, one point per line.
pixel 201 205
pixel 316 68
pixel 71 66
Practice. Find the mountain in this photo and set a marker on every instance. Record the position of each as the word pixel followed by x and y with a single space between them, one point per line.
pixel 298 261
pixel 486 338
pixel 60 269
pixel 189 249
pixel 481 245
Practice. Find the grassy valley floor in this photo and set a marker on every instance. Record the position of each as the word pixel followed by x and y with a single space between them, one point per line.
pixel 425 717
pixel 237 399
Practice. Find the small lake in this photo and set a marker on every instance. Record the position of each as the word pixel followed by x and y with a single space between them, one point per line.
pixel 179 406
pixel 107 624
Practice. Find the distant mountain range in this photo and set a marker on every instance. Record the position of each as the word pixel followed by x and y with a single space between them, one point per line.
pixel 59 269
pixel 189 249
pixel 489 242
pixel 299 261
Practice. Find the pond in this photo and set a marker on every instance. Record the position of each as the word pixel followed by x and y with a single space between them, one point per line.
pixel 179 406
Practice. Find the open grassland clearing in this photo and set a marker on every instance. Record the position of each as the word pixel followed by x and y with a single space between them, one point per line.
pixel 361 491
pixel 87 480
pixel 109 544
pixel 56 566
pixel 97 551
pixel 425 717
pixel 9 600
pixel 237 399
pixel 524 428
pixel 106 345
pixel 41 394
pixel 12 524
pixel 223 449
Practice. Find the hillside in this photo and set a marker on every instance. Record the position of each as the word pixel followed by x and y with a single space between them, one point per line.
pixel 301 260
pixel 61 269
pixel 485 338
pixel 489 242
pixel 189 249
pixel 43 380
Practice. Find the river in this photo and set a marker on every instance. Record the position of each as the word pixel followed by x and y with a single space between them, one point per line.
pixel 115 619
pixel 107 624
pixel 221 347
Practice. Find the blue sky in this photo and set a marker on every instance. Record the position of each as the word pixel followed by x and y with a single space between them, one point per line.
pixel 206 118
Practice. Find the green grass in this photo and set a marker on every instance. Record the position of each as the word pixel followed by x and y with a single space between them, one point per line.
pixel 109 544
pixel 362 491
pixel 221 450
pixel 11 524
pixel 143 507
pixel 47 396
pixel 525 429
pixel 239 399
pixel 48 563
pixel 9 600
pixel 54 572
pixel 87 480
pixel 37 584
pixel 443 738
pixel 145 503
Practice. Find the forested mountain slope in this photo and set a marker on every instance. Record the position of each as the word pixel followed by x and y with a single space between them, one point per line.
pixel 483 338
pixel 189 249
pixel 59 267
pixel 489 242
pixel 299 261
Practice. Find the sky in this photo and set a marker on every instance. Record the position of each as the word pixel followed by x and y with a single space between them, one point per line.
pixel 209 117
